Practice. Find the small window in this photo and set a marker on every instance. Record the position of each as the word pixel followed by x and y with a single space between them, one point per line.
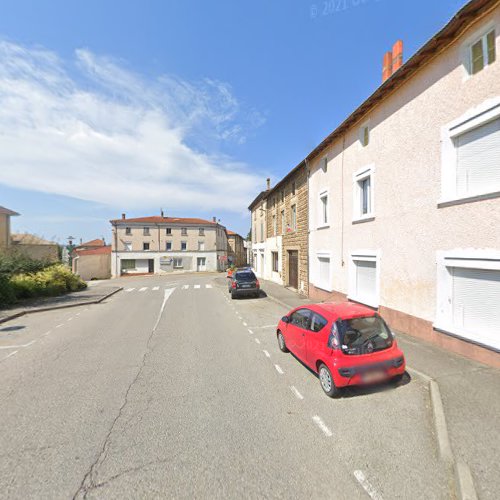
pixel 363 194
pixel 184 231
pixel 294 218
pixel 169 246
pixel 168 231
pixel 293 188
pixel 128 230
pixel 262 237
pixel 201 246
pixel 301 318
pixel 275 262
pixel 317 322
pixel 323 209
pixel 283 223
pixel 145 231
pixel 177 263
pixel 275 226
pixel 145 246
pixel 128 246
pixel 364 135
pixel 201 231
pixel 483 52
pixel 183 245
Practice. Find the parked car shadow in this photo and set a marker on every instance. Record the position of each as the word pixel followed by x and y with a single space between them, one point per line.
pixel 365 390
pixel 12 328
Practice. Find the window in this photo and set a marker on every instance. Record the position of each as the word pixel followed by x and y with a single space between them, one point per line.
pixel 255 235
pixel 145 246
pixel 128 230
pixel 364 135
pixel 282 195
pixel 283 222
pixel 293 188
pixel 323 209
pixel 168 231
pixel 363 194
pixel 364 278
pixel 301 318
pixel 261 231
pixel 128 264
pixel 184 231
pixel 145 231
pixel 177 263
pixel 317 322
pixel 294 218
pixel 482 52
pixel 323 278
pixel 468 295
pixel 201 245
pixel 324 164
pixel 275 260
pixel 201 231
pixel 169 246
pixel 128 246
pixel 183 246
pixel 275 226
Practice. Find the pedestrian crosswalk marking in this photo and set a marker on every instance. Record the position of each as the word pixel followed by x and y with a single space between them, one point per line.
pixel 208 286
pixel 156 288
pixel 196 286
pixel 143 288
pixel 130 289
pixel 185 287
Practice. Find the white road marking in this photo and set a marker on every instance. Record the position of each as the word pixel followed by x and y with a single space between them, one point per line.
pixel 208 286
pixel 185 287
pixel 70 319
pixel 419 374
pixel 130 289
pixel 372 492
pixel 319 422
pixel 17 346
pixel 265 326
pixel 143 288
pixel 197 286
pixel 59 326
pixel 9 355
pixel 77 314
pixel 296 392
pixel 155 288
pixel 165 298
pixel 257 340
pixel 47 333
pixel 278 369
pixel 250 331
pixel 267 354
pixel 244 324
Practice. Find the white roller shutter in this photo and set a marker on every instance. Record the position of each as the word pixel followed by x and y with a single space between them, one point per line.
pixel 324 273
pixel 478 159
pixel 366 281
pixel 476 304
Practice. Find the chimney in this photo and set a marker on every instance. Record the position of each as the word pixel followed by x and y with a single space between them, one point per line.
pixel 124 216
pixel 387 66
pixel 214 219
pixel 161 212
pixel 268 183
pixel 397 56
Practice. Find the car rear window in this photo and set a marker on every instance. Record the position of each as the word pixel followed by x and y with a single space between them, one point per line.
pixel 364 335
pixel 245 276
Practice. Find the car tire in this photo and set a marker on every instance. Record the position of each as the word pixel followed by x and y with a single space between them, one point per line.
pixel 398 378
pixel 282 343
pixel 257 295
pixel 233 295
pixel 326 382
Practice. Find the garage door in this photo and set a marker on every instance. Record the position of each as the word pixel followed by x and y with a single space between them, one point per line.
pixel 366 281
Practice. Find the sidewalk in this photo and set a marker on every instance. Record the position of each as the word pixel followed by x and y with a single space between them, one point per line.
pixel 91 295
pixel 470 395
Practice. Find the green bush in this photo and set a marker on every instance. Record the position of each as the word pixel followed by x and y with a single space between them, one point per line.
pixel 12 263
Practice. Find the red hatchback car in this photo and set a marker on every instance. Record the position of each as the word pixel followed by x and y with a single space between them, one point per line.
pixel 345 344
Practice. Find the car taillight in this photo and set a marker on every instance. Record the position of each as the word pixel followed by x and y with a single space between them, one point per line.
pixel 257 284
pixel 333 338
pixel 233 284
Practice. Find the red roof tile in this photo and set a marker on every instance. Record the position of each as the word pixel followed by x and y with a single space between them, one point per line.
pixel 94 251
pixel 93 243
pixel 156 219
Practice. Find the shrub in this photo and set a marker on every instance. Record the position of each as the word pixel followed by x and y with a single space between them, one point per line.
pixel 12 263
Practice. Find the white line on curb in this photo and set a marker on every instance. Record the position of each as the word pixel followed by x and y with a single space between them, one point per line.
pixel 372 492
pixel 319 422
pixel 296 392
pixel 257 341
pixel 267 354
pixel 278 369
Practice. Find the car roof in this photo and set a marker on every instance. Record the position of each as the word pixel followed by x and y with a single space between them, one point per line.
pixel 343 310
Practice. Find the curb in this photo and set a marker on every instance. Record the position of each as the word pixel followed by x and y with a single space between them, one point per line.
pixel 53 308
pixel 278 301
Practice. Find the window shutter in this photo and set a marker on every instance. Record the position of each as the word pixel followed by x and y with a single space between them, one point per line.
pixel 475 304
pixel 478 159
pixel 366 281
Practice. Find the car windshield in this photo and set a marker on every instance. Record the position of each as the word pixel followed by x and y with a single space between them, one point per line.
pixel 245 277
pixel 364 335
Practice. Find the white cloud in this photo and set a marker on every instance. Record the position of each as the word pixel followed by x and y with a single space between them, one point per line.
pixel 106 134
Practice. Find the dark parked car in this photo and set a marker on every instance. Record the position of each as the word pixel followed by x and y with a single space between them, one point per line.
pixel 243 283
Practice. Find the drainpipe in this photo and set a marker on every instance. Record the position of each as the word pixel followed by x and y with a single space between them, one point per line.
pixel 342 204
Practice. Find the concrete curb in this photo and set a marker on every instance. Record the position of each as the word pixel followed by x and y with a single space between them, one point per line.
pixel 279 302
pixel 63 306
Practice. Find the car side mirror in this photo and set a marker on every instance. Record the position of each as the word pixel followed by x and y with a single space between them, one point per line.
pixel 285 319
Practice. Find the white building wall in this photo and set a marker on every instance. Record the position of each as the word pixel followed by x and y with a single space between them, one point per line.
pixel 273 244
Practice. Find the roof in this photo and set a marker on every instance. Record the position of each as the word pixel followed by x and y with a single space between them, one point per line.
pixel 232 233
pixel 260 196
pixel 288 176
pixel 157 219
pixel 30 239
pixel 94 251
pixel 469 14
pixel 6 211
pixel 93 243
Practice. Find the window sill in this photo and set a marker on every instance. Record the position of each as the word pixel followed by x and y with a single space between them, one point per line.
pixel 360 220
pixel 468 199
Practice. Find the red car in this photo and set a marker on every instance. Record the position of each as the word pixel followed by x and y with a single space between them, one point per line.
pixel 345 344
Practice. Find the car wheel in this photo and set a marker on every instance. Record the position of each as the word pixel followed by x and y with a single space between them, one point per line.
pixel 326 381
pixel 398 378
pixel 282 343
pixel 233 295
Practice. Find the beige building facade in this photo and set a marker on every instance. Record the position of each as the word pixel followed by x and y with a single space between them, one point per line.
pixel 237 254
pixel 258 211
pixel 35 247
pixel 5 236
pixel 404 197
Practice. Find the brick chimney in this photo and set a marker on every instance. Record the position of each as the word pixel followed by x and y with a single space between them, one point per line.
pixel 387 66
pixel 397 56
pixel 268 180
pixel 124 216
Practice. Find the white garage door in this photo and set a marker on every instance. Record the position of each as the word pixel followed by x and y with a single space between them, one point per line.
pixel 366 281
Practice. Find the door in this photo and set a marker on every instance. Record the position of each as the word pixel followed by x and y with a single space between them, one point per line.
pixel 296 330
pixel 316 339
pixel 201 264
pixel 293 269
pixel 151 266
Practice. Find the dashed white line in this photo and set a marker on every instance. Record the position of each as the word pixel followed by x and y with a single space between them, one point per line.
pixel 77 314
pixel 155 288
pixel 250 331
pixel 265 326
pixel 196 286
pixel 143 289
pixel 244 324
pixel 17 346
pixel 9 355
pixel 319 422
pixel 279 369
pixel 367 486
pixel 130 289
pixel 257 341
pixel 59 326
pixel 47 333
pixel 266 353
pixel 296 392
pixel 208 286
pixel 70 319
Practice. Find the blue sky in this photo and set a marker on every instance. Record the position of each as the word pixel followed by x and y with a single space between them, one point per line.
pixel 121 106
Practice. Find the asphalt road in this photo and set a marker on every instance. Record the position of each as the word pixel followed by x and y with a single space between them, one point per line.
pixel 170 389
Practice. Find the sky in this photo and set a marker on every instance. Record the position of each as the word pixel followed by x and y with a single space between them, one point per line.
pixel 116 106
